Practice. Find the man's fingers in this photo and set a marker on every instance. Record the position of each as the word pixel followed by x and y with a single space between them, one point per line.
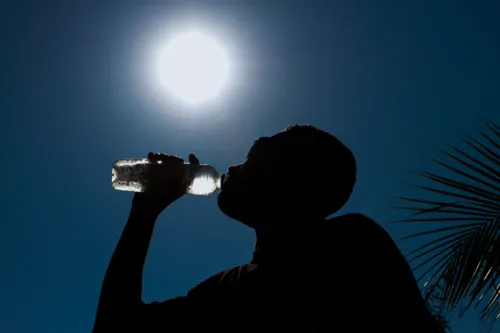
pixel 193 159
pixel 152 156
pixel 164 158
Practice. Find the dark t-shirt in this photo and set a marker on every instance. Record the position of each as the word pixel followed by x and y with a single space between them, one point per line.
pixel 344 275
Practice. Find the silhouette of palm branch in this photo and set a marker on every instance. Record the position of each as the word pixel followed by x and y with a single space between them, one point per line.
pixel 433 298
pixel 461 261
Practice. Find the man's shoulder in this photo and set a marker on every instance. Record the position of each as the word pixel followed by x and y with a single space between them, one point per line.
pixel 223 279
pixel 355 228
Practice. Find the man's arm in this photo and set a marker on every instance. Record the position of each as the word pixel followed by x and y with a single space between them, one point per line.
pixel 120 303
pixel 121 293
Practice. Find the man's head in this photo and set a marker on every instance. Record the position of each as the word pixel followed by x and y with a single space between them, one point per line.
pixel 301 173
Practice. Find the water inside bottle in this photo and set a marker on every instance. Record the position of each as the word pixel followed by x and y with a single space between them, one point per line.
pixel 132 175
pixel 122 183
pixel 204 183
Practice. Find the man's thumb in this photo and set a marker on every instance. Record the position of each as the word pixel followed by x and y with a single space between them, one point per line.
pixel 193 159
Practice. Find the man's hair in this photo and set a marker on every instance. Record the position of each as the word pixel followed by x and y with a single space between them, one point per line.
pixel 331 165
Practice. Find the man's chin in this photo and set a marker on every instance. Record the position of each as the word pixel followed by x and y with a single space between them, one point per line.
pixel 226 203
pixel 234 206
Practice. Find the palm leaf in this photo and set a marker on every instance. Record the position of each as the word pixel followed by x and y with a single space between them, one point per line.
pixel 462 258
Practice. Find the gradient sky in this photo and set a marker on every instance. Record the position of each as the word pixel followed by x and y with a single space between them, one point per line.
pixel 393 79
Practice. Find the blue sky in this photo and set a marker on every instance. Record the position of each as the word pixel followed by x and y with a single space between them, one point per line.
pixel 393 79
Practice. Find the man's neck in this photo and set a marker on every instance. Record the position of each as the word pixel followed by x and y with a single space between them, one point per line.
pixel 283 241
pixel 262 236
pixel 272 230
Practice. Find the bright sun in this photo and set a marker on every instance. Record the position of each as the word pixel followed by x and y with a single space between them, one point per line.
pixel 193 67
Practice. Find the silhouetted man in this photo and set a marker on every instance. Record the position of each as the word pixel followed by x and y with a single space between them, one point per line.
pixel 308 273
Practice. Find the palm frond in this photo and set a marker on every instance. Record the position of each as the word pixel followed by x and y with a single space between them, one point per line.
pixel 462 259
pixel 433 298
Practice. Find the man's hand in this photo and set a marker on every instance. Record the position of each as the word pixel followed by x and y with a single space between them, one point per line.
pixel 169 183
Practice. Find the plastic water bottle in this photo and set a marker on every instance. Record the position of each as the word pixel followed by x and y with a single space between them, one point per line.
pixel 132 175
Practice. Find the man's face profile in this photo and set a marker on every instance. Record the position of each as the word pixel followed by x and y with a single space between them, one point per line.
pixel 248 188
pixel 299 174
